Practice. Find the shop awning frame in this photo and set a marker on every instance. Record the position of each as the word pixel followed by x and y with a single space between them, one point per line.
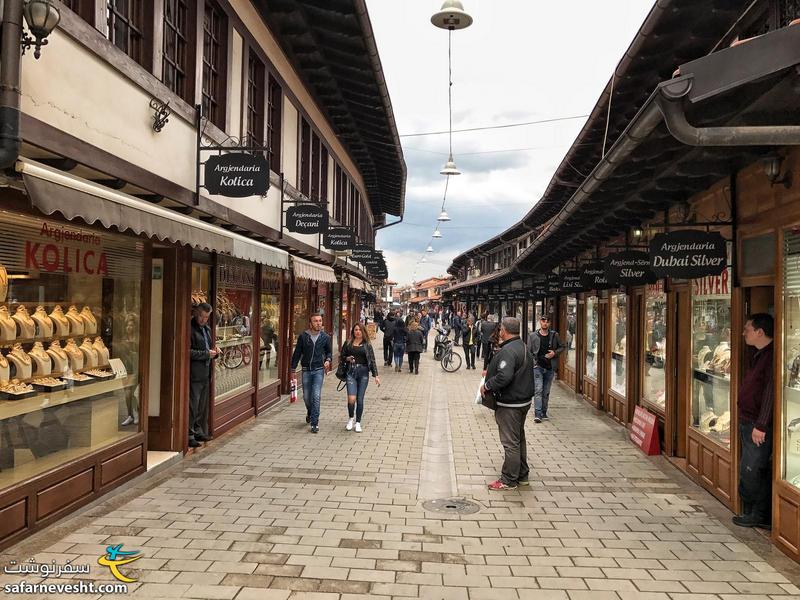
pixel 53 191
pixel 305 269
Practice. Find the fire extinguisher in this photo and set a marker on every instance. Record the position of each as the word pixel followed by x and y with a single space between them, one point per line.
pixel 293 390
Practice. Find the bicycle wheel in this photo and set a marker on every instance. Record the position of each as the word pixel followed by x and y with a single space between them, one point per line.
pixel 233 357
pixel 451 362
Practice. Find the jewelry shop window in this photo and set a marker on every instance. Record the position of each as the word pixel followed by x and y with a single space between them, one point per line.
pixel 70 301
pixel 619 326
pixel 270 325
pixel 711 357
pixel 654 383
pixel 790 426
pixel 300 308
pixel 569 336
pixel 591 337
pixel 234 335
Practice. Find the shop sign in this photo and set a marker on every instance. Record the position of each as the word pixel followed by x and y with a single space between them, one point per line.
pixel 593 276
pixel 339 238
pixel 713 285
pixel 688 254
pixel 629 267
pixel 362 252
pixel 553 284
pixel 571 281
pixel 306 218
pixel 69 251
pixel 644 431
pixel 237 175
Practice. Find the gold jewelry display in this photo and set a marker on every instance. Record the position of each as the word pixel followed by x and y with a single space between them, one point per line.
pixel 76 324
pixel 41 360
pixel 74 355
pixel 22 361
pixel 15 386
pixel 58 357
pixel 89 353
pixel 3 283
pixel 44 324
pixel 8 327
pixel 60 322
pixel 89 321
pixel 5 369
pixel 27 326
pixel 102 351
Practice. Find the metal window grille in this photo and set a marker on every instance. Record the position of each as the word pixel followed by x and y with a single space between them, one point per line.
pixel 125 20
pixel 255 100
pixel 214 63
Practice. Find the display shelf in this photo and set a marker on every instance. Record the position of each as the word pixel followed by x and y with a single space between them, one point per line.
pixel 617 355
pixel 54 338
pixel 57 374
pixel 707 377
pixel 14 408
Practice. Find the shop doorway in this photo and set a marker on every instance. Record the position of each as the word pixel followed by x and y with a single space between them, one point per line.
pixel 757 299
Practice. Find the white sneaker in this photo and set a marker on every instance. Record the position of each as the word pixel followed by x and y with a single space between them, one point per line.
pixel 349 425
pixel 128 420
pixel 358 427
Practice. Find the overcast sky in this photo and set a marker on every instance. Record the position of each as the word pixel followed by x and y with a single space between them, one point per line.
pixel 521 60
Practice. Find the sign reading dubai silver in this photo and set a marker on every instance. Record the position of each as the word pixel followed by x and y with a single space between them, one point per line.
pixel 688 254
pixel 593 276
pixel 570 281
pixel 629 267
pixel 339 238
pixel 306 218
pixel 237 175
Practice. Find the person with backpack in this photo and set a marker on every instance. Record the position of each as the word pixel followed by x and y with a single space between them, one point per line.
pixel 545 346
pixel 358 353
pixel 509 389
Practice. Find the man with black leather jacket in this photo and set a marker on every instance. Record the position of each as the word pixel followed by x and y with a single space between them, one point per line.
pixel 387 327
pixel 202 353
pixel 509 379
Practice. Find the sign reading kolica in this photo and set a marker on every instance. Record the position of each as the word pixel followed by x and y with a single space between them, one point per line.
pixel 306 218
pixel 593 276
pixel 237 175
pixel 339 238
pixel 629 267
pixel 570 281
pixel 688 254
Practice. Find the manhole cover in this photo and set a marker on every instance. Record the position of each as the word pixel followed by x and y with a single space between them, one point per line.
pixel 452 505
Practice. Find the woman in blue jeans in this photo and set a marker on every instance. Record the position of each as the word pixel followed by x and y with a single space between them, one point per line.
pixel 358 352
pixel 399 339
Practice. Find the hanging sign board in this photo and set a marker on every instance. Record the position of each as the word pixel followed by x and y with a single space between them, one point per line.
pixel 362 252
pixel 571 281
pixel 237 175
pixel 629 267
pixel 644 431
pixel 306 218
pixel 339 238
pixel 593 276
pixel 553 286
pixel 688 254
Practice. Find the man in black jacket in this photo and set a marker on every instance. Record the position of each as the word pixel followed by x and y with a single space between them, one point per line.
pixel 545 346
pixel 202 353
pixel 314 353
pixel 509 378
pixel 487 329
pixel 388 333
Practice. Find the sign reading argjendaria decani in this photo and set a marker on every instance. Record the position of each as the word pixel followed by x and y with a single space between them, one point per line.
pixel 688 254
pixel 237 175
pixel 307 218
pixel 629 267
pixel 593 275
pixel 339 238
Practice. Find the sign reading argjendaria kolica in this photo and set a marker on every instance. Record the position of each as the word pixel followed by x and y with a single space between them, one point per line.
pixel 688 254
pixel 237 175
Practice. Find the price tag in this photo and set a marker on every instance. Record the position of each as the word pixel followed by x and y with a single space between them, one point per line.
pixel 118 367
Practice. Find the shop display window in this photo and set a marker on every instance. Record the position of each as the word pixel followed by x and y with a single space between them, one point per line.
pixel 790 422
pixel 711 357
pixel 233 316
pixel 619 328
pixel 569 336
pixel 270 326
pixel 70 306
pixel 300 308
pixel 591 336
pixel 532 321
pixel 654 382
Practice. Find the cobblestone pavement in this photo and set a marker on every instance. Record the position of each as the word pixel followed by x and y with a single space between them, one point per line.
pixel 271 511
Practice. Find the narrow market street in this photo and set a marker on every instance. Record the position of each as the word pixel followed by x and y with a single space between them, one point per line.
pixel 271 511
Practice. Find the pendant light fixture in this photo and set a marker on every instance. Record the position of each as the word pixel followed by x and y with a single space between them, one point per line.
pixel 443 216
pixel 437 233
pixel 429 248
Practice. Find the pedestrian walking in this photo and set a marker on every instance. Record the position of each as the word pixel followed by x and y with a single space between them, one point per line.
pixel 458 327
pixel 755 405
pixel 414 345
pixel 202 353
pixel 313 353
pixel 471 334
pixel 425 323
pixel 399 343
pixel 358 352
pixel 488 327
pixel 479 345
pixel 378 317
pixel 545 346
pixel 509 381
pixel 388 331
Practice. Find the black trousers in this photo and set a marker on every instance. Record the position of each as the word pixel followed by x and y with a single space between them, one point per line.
pixel 469 354
pixel 198 408
pixel 413 361
pixel 425 341
pixel 486 348
pixel 388 350
pixel 511 425
pixel 755 474
pixel 479 347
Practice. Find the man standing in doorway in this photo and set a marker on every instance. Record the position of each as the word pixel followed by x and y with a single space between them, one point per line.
pixel 202 353
pixel 313 353
pixel 755 403
pixel 545 346
pixel 425 323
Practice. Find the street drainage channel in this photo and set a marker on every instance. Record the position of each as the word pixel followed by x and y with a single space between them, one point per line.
pixel 455 506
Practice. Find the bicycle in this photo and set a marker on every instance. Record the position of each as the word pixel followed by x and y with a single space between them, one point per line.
pixel 451 361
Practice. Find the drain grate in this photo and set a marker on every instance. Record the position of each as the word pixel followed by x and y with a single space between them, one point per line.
pixel 457 506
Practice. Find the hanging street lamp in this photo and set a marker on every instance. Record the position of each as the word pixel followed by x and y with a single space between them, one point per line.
pixel 443 217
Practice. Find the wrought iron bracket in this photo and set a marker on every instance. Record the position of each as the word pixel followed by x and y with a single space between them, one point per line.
pixel 161 113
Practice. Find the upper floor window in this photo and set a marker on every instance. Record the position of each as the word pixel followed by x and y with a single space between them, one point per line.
pixel 126 30
pixel 83 8
pixel 255 100
pixel 274 115
pixel 215 63
pixel 339 194
pixel 314 167
pixel 177 67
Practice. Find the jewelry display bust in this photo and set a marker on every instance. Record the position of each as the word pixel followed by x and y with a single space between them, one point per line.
pixel 58 357
pixel 44 324
pixel 5 369
pixel 41 360
pixel 22 361
pixel 76 324
pixel 8 327
pixel 102 351
pixel 89 353
pixel 27 326
pixel 74 355
pixel 3 283
pixel 89 321
pixel 60 322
